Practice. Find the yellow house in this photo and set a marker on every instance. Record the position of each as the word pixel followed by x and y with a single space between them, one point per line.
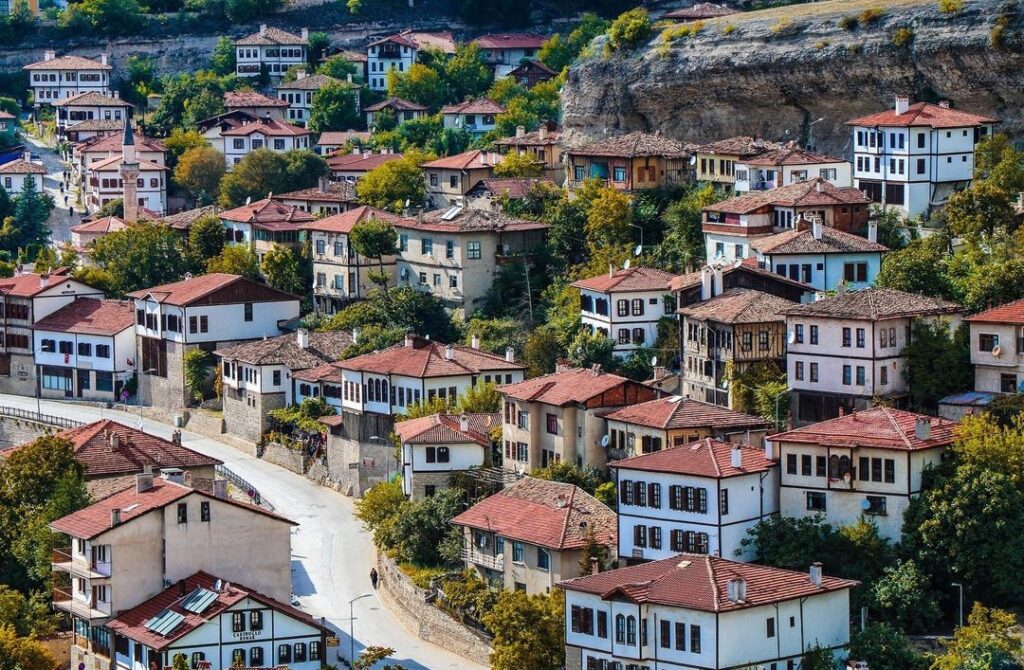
pixel 634 162
pixel 716 162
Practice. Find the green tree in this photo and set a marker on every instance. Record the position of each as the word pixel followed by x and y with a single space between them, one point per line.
pixel 607 494
pixel 481 398
pixel 466 73
pixel 518 112
pixel 421 526
pixel 1005 408
pixel 334 108
pixel 109 17
pixel 28 226
pixel 419 84
pixel 199 173
pixel 180 141
pixel 284 270
pixel 389 185
pixel 371 656
pixel 588 349
pixel 140 256
pixel 920 267
pixel 999 164
pixel 496 335
pixel 23 653
pixel 630 29
pixel 593 551
pixel 242 11
pixel 541 351
pixel 556 53
pixel 404 309
pixel 263 172
pixel 206 238
pixel 340 68
pixel 138 80
pixel 980 211
pixel 987 642
pixel 609 219
pixel 319 45
pixel 818 658
pixel 586 477
pixel 683 245
pixel 885 648
pixel 528 631
pixel 379 505
pixel 374 239
pixel 236 259
pixel 196 363
pixel 519 166
pixel 903 598
pixel 938 363
pixel 223 60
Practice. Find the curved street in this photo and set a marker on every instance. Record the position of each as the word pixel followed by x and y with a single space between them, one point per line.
pixel 331 553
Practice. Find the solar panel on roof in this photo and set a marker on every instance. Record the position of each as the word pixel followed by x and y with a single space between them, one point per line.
pixel 164 622
pixel 198 600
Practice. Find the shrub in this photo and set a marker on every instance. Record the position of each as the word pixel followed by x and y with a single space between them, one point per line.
pixel 728 29
pixel 784 26
pixel 682 30
pixel 848 22
pixel 871 16
pixel 821 45
pixel 902 36
pixel 630 29
pixel 997 38
pixel 951 6
pixel 419 575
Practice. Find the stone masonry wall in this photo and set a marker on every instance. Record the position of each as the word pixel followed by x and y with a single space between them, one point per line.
pixel 19 431
pixel 278 454
pixel 406 601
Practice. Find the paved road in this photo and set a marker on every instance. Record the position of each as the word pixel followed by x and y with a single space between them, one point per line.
pixel 60 222
pixel 331 553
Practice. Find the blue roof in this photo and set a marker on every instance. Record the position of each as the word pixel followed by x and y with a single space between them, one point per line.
pixel 969 398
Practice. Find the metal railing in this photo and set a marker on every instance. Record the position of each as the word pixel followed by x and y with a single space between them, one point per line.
pixel 473 555
pixel 50 419
pixel 244 486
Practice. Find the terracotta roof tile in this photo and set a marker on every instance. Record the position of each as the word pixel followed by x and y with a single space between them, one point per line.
pixel 791 155
pixel 469 220
pixel 114 163
pixel 705 458
pixel 251 99
pixel 480 106
pixel 923 114
pixel 89 316
pixel 113 142
pixel 813 192
pixel 272 36
pixel 447 429
pixel 344 223
pixel 397 104
pixel 675 412
pixel 106 224
pixel 531 64
pixel 832 241
pixel 267 212
pixel 625 281
pixel 22 166
pixel 636 143
pixel 269 127
pixel 312 82
pixel 188 291
pixel 543 513
pixel 425 358
pixel 324 347
pixel 28 284
pixel 469 160
pixel 878 427
pixel 97 125
pixel 739 305
pixel 132 623
pixel 362 162
pixel 1011 312
pixel 565 387
pixel 552 136
pixel 692 279
pixel 341 137
pixel 184 220
pixel 874 304
pixel 92 99
pixel 511 41
pixel 701 582
pixel 508 187
pixel 334 192
pixel 68 63
pixel 743 146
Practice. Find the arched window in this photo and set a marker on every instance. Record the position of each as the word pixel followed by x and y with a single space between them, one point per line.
pixel 631 630
pixel 833 467
pixel 620 629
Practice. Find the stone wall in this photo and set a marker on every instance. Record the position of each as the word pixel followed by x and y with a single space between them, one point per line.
pixel 408 603
pixel 19 431
pixel 22 380
pixel 279 454
pixel 245 420
pixel 356 466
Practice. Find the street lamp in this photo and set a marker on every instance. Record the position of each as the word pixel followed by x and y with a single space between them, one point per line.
pixel 352 628
pixel 960 617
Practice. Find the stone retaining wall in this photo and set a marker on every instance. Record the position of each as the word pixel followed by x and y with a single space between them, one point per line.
pixel 19 431
pixel 279 454
pixel 408 603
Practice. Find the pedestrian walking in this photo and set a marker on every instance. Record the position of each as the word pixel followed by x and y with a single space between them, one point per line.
pixel 65 199
pixel 373 577
pixel 71 212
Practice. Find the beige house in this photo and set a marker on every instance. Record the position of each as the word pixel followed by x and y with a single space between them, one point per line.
pixel 126 548
pixel 560 417
pixel 659 424
pixel 532 534
pixel 324 199
pixel 866 464
pixel 716 161
pixel 723 337
pixel 997 348
pixel 455 255
pixel 634 162
pixel 544 144
pixel 449 179
pixel 435 446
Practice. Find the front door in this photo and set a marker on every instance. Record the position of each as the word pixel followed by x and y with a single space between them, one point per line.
pixel 83 381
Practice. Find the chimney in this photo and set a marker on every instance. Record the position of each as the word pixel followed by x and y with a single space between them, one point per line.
pixel 115 441
pixel 302 337
pixel 300 74
pixel 143 481
pixel 366 154
pixel 816 226
pixel 182 590
pixel 872 231
pixel 104 58
pixel 464 423
pixel 449 352
pixel 611 270
pixel 595 370
pixel 819 185
pixel 923 428
pixel 562 365
pixel 902 104
pixel 324 184
pixel 542 132
pixel 716 280
pixel 220 488
pixel 263 29
pixel 176 437
pixel 475 343
pixel 737 590
pixel 816 574
pixel 27 156
pixel 49 54
pixel 305 33
pixel 595 565
pixel 173 475
pixel 769 450
pixel 510 355
pixel 707 290
pixel 409 339
pixel 520 131
pixel 944 104
pixel 116 94
pixel 115 516
pixel 660 372
pixel 736 458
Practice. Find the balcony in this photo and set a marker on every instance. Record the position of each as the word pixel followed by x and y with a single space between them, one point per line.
pixel 63 600
pixel 63 561
pixel 478 557
pixel 762 185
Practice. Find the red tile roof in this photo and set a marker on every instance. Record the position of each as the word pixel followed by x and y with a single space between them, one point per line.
pixel 791 155
pixel 424 358
pixel 91 99
pixel 743 146
pixel 271 36
pixel 739 305
pixel 344 223
pixel 106 224
pixel 136 449
pixel 701 582
pixel 553 135
pixel 187 291
pixel 68 63
pixel 878 427
pixel 923 114
pixel 810 193
pixel 132 623
pixel 510 41
pixel 363 162
pixel 512 188
pixel 481 106
pixel 439 39
pixel 705 458
pixel 1011 312
pixel 29 284
pixel 543 513
pixel 267 212
pixel 323 346
pixel 447 429
pixel 94 520
pixel 114 141
pixel 340 137
pixel 750 265
pixel 251 99
pixel 802 241
pixel 470 160
pixel 636 144
pixel 331 192
pixel 562 388
pixel 269 127
pixel 397 104
pixel 469 220
pixel 874 304
pixel 626 281
pixel 675 412
pixel 112 163
pixel 22 166
pixel 89 316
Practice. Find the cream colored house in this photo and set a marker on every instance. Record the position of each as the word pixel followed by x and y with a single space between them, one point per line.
pixel 449 179
pixel 532 534
pixel 560 417
pixel 435 446
pixel 997 348
pixel 126 548
pixel 866 464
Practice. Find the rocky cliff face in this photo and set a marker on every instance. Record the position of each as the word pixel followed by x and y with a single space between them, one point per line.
pixel 774 72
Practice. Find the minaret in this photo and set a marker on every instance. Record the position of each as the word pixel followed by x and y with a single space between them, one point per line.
pixel 129 174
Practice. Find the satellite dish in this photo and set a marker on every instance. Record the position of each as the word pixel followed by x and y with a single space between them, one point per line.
pixel 865 505
pixel 639 250
pixel 248 200
pixel 693 159
pixel 217 584
pixel 605 440
pixel 997 351
pixel 791 338
pixel 654 361
pixel 625 266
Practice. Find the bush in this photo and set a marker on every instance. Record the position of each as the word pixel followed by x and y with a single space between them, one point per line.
pixel 728 29
pixel 871 16
pixel 682 30
pixel 902 36
pixel 848 22
pixel 420 576
pixel 951 6
pixel 783 27
pixel 196 363
pixel 631 29
pixel 903 598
